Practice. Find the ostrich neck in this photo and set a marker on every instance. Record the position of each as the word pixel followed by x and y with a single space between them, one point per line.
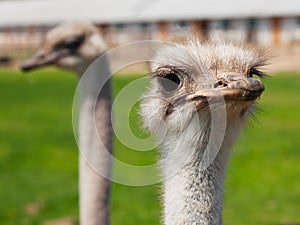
pixel 194 195
pixel 95 142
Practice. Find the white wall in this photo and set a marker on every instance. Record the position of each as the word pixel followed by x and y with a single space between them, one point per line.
pixel 236 31
pixel 264 31
pixel 289 30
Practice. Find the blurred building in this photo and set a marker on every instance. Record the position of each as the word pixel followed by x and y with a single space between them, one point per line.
pixel 272 22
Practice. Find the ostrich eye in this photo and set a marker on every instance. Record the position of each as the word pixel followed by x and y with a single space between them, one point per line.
pixel 72 44
pixel 253 71
pixel 170 82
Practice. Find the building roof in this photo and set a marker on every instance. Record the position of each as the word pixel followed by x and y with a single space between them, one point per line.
pixel 49 12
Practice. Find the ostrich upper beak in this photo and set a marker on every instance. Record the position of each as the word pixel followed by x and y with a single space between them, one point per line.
pixel 229 87
pixel 43 59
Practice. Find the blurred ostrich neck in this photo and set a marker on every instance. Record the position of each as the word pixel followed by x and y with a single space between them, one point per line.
pixel 95 125
pixel 192 195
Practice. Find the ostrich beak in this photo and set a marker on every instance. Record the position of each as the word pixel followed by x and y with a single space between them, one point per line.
pixel 230 87
pixel 43 59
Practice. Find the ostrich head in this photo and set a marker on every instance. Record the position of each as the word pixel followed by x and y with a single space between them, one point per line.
pixel 192 78
pixel 71 45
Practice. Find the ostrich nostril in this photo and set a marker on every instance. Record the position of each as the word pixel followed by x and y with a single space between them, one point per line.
pixel 220 84
pixel 216 85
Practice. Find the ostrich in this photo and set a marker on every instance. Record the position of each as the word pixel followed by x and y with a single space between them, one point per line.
pixel 75 45
pixel 190 84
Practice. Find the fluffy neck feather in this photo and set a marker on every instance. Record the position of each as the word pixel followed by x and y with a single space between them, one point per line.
pixel 193 195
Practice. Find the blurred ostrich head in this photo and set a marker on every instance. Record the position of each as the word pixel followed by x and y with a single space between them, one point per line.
pixel 71 45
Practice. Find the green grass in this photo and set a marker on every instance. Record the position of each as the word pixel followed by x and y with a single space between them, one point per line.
pixel 37 150
pixel 38 156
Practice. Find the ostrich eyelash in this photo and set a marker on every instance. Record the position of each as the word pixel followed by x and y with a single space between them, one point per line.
pixel 165 70
pixel 254 71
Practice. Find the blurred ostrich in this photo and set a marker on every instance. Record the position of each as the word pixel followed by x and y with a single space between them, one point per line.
pixel 189 82
pixel 75 45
